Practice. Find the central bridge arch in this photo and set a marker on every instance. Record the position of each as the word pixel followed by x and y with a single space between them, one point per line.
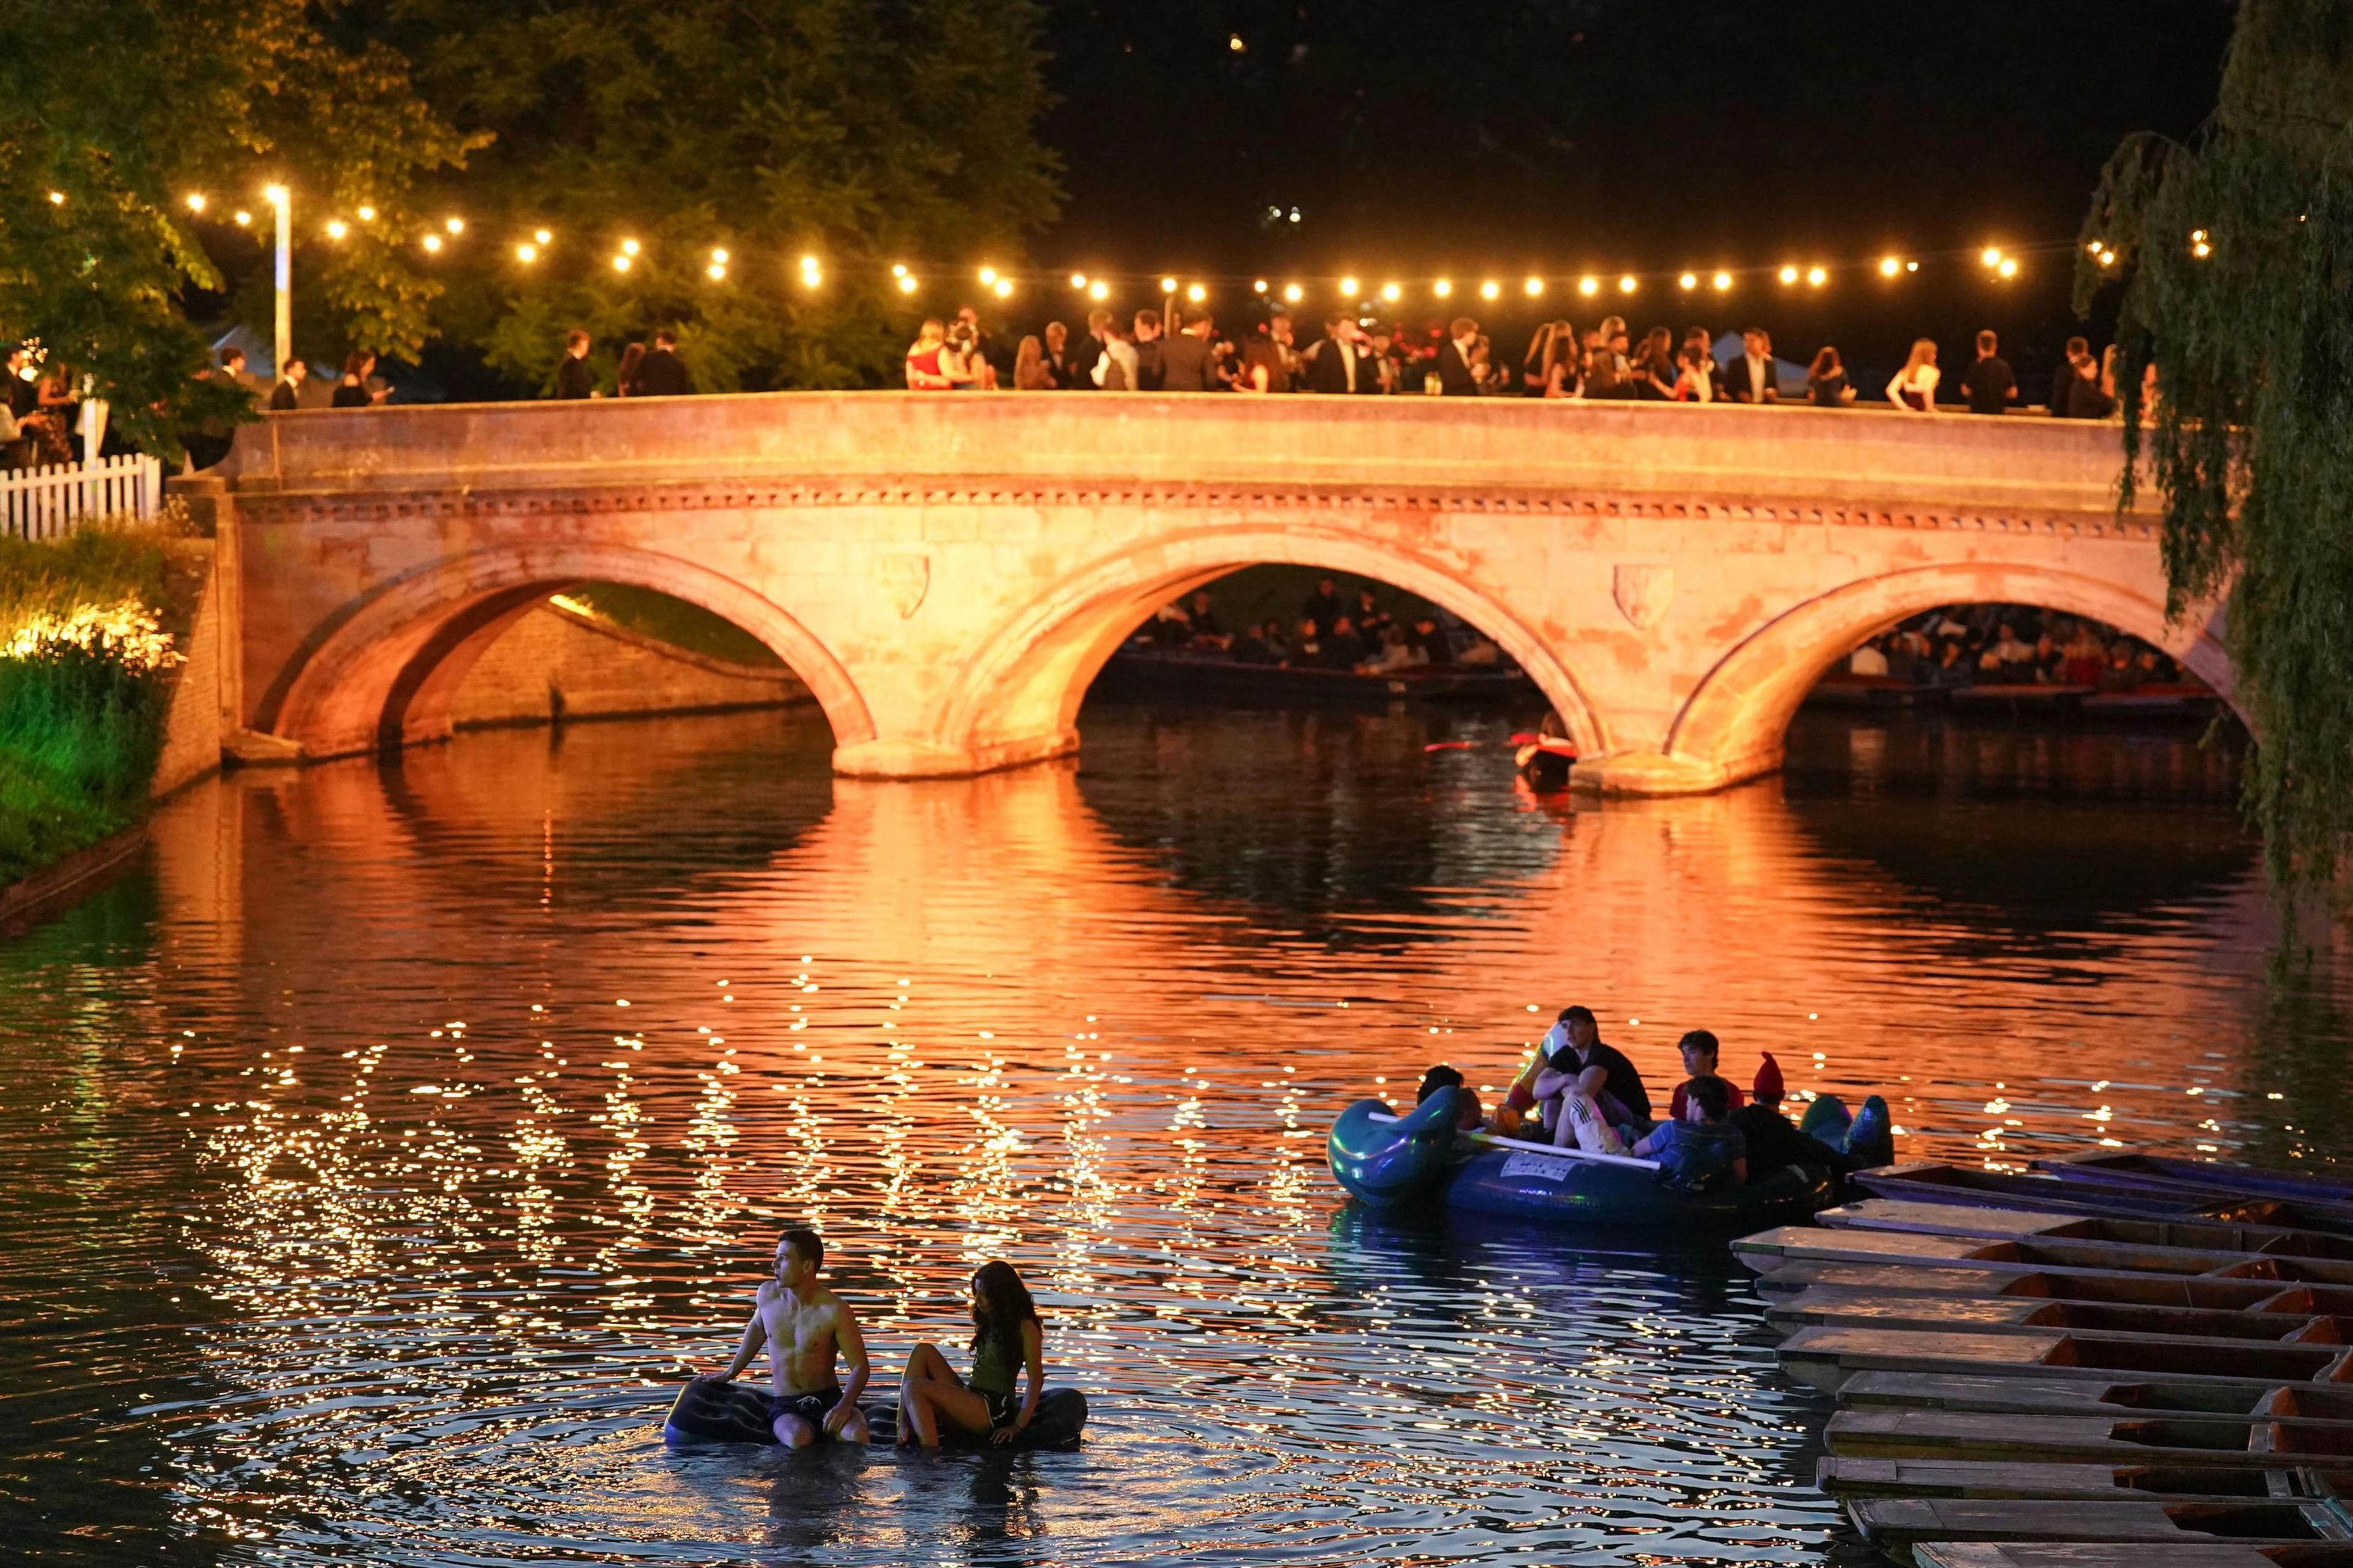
pixel 1032 673
pixel 381 674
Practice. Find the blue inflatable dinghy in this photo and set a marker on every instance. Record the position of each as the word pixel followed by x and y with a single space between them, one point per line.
pixel 1386 1161
pixel 706 1413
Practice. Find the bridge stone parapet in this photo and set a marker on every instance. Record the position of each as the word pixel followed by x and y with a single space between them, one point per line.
pixel 947 572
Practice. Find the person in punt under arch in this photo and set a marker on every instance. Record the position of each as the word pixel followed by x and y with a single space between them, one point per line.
pixel 806 1327
pixel 1007 1338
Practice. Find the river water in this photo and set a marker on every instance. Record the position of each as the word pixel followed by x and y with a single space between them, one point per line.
pixel 379 1153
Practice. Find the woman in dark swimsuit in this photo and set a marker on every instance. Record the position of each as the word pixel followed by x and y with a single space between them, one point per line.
pixel 1007 1340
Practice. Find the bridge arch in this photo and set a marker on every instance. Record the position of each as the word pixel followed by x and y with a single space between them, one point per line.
pixel 380 672
pixel 1732 726
pixel 1032 674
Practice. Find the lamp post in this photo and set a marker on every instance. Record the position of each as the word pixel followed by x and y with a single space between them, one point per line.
pixel 281 348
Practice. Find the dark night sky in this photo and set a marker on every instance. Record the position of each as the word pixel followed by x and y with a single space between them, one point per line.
pixel 1504 136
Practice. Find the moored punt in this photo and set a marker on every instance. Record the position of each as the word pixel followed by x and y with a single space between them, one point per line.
pixel 1771 1248
pixel 1930 1181
pixel 2064 1396
pixel 1895 1525
pixel 1826 1355
pixel 1845 1304
pixel 2114 1439
pixel 2121 1286
pixel 2129 1554
pixel 2198 1233
pixel 2161 1171
pixel 1847 1478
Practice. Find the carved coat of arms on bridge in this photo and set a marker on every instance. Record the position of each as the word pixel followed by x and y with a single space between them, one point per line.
pixel 1643 593
pixel 905 580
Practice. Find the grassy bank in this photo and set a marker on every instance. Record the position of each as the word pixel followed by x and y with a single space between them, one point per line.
pixel 84 678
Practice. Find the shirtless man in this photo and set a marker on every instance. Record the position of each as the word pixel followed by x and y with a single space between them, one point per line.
pixel 805 1326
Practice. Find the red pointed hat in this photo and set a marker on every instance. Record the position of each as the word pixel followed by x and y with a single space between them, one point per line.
pixel 1768 1078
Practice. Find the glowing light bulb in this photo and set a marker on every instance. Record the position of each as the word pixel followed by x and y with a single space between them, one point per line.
pixel 629 248
pixel 2107 259
pixel 2201 250
pixel 1196 293
pixel 432 245
pixel 1293 293
pixel 1259 287
pixel 1688 281
pixel 454 225
pixel 988 276
pixel 1098 291
pixel 337 228
pixel 621 263
pixel 195 200
pixel 1990 255
pixel 367 215
pixel 1234 42
pixel 1816 277
pixel 242 218
pixel 1005 287
pixel 1347 286
pixel 1627 284
pixel 1889 267
pixel 544 236
pixel 57 198
pixel 1077 280
pixel 2196 234
pixel 717 273
pixel 719 254
pixel 1588 286
pixel 2009 268
pixel 1788 275
pixel 1534 286
pixel 1169 285
pixel 907 284
pixel 2095 248
pixel 526 252
pixel 1722 280
pixel 1442 288
pixel 275 196
pixel 1491 289
pixel 1392 292
pixel 898 270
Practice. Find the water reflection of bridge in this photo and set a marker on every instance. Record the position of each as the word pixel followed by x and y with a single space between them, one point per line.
pixel 949 574
pixel 1035 899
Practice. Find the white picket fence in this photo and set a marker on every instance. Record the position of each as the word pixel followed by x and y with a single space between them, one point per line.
pixel 51 502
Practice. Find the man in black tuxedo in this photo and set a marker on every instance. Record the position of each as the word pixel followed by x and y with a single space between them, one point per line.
pixel 1336 364
pixel 1090 349
pixel 1187 362
pixel 661 374
pixel 574 383
pixel 1151 369
pixel 1750 377
pixel 1455 376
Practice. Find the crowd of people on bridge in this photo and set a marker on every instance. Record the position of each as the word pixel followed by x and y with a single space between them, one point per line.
pixel 1182 350
pixel 2011 644
pixel 1358 631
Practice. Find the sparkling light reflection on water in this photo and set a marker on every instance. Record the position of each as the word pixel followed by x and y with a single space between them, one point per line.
pixel 379 1154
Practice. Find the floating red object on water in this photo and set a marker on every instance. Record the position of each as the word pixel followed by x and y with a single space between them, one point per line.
pixel 1452 747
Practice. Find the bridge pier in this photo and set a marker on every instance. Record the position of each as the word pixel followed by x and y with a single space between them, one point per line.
pixel 893 757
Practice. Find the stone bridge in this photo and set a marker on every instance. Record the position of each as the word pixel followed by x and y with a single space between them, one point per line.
pixel 947 574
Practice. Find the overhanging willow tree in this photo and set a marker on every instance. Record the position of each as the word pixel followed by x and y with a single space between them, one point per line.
pixel 2239 250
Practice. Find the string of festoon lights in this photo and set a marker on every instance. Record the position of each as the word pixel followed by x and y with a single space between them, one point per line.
pixel 533 247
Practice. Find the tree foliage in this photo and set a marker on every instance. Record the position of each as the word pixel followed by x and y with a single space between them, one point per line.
pixel 111 110
pixel 855 131
pixel 2240 250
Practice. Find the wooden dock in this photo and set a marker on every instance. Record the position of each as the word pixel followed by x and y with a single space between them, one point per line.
pixel 2125 1361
